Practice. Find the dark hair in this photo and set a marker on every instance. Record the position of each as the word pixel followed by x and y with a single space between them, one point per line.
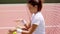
pixel 34 3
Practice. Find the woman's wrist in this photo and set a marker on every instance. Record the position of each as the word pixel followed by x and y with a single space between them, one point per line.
pixel 19 30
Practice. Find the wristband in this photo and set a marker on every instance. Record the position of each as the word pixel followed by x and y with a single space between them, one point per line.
pixel 19 30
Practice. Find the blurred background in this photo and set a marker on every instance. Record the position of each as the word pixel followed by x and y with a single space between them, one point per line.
pixel 24 1
pixel 11 10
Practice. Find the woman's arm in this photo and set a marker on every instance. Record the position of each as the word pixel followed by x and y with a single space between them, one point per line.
pixel 27 26
pixel 31 29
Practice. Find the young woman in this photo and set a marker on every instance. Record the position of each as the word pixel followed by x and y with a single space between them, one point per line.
pixel 37 21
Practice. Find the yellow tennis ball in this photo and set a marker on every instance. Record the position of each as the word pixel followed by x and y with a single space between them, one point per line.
pixel 15 32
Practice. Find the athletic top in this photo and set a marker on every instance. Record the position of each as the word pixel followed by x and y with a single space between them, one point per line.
pixel 38 19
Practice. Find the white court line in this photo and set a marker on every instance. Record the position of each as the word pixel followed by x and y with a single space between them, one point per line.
pixel 7 27
pixel 53 26
pixel 13 4
pixel 45 26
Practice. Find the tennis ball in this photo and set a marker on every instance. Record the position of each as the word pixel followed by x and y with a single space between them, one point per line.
pixel 15 32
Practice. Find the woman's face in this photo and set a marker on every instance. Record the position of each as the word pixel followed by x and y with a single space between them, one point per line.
pixel 32 9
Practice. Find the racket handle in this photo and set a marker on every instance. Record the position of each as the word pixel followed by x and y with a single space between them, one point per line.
pixel 24 22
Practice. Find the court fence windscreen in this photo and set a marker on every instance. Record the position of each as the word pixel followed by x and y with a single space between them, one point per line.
pixel 25 1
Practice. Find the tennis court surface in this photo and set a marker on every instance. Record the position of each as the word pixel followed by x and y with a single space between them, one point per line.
pixel 11 12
